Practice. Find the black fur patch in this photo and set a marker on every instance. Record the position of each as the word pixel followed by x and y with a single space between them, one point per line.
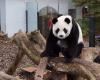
pixel 65 30
pixel 67 20
pixel 97 59
pixel 57 31
pixel 54 20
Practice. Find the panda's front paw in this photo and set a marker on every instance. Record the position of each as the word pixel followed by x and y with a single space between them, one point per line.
pixel 68 60
pixel 43 54
pixel 49 67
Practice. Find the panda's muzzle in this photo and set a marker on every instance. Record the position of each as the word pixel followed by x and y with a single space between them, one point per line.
pixel 61 36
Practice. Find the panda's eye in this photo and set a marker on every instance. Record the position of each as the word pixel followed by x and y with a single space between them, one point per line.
pixel 65 30
pixel 57 30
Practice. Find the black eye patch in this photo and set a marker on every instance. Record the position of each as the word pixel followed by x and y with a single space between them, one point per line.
pixel 67 20
pixel 57 30
pixel 65 30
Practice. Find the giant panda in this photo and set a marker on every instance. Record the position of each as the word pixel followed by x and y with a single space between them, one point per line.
pixel 65 37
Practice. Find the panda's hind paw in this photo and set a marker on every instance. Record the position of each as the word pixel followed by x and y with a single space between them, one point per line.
pixel 68 60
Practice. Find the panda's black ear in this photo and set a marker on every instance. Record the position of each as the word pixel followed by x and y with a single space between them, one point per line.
pixel 59 15
pixel 67 20
pixel 54 20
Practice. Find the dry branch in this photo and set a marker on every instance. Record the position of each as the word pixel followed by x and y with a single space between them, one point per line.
pixel 4 76
pixel 41 68
pixel 31 48
pixel 13 67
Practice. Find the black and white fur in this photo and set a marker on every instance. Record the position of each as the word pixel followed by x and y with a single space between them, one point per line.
pixel 66 37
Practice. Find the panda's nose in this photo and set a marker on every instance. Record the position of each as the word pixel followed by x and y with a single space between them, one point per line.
pixel 61 36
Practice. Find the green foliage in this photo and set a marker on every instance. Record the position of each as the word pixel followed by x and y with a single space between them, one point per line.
pixel 81 2
pixel 94 6
pixel 84 25
pixel 95 9
pixel 97 23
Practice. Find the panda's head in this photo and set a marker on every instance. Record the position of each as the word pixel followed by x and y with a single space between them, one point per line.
pixel 62 26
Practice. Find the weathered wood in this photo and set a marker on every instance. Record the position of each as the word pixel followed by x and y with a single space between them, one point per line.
pixel 14 65
pixel 74 68
pixel 36 37
pixel 41 68
pixel 85 69
pixel 31 56
pixel 90 53
pixel 4 76
pixel 57 76
pixel 63 77
pixel 23 41
pixel 78 66
pixel 91 66
pixel 30 48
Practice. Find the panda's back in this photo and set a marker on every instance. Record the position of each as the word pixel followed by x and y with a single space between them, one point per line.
pixel 80 38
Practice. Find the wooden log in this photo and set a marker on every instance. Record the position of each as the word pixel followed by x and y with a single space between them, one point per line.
pixel 4 76
pixel 41 68
pixel 78 66
pixel 83 66
pixel 57 76
pixel 63 76
pixel 31 56
pixel 36 37
pixel 75 69
pixel 29 48
pixel 14 65
pixel 85 69
pixel 90 53
pixel 94 68
pixel 25 48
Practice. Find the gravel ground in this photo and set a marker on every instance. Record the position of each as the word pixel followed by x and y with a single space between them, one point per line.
pixel 8 52
pixel 25 62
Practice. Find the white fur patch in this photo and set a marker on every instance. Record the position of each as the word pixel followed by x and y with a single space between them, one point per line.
pixel 80 38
